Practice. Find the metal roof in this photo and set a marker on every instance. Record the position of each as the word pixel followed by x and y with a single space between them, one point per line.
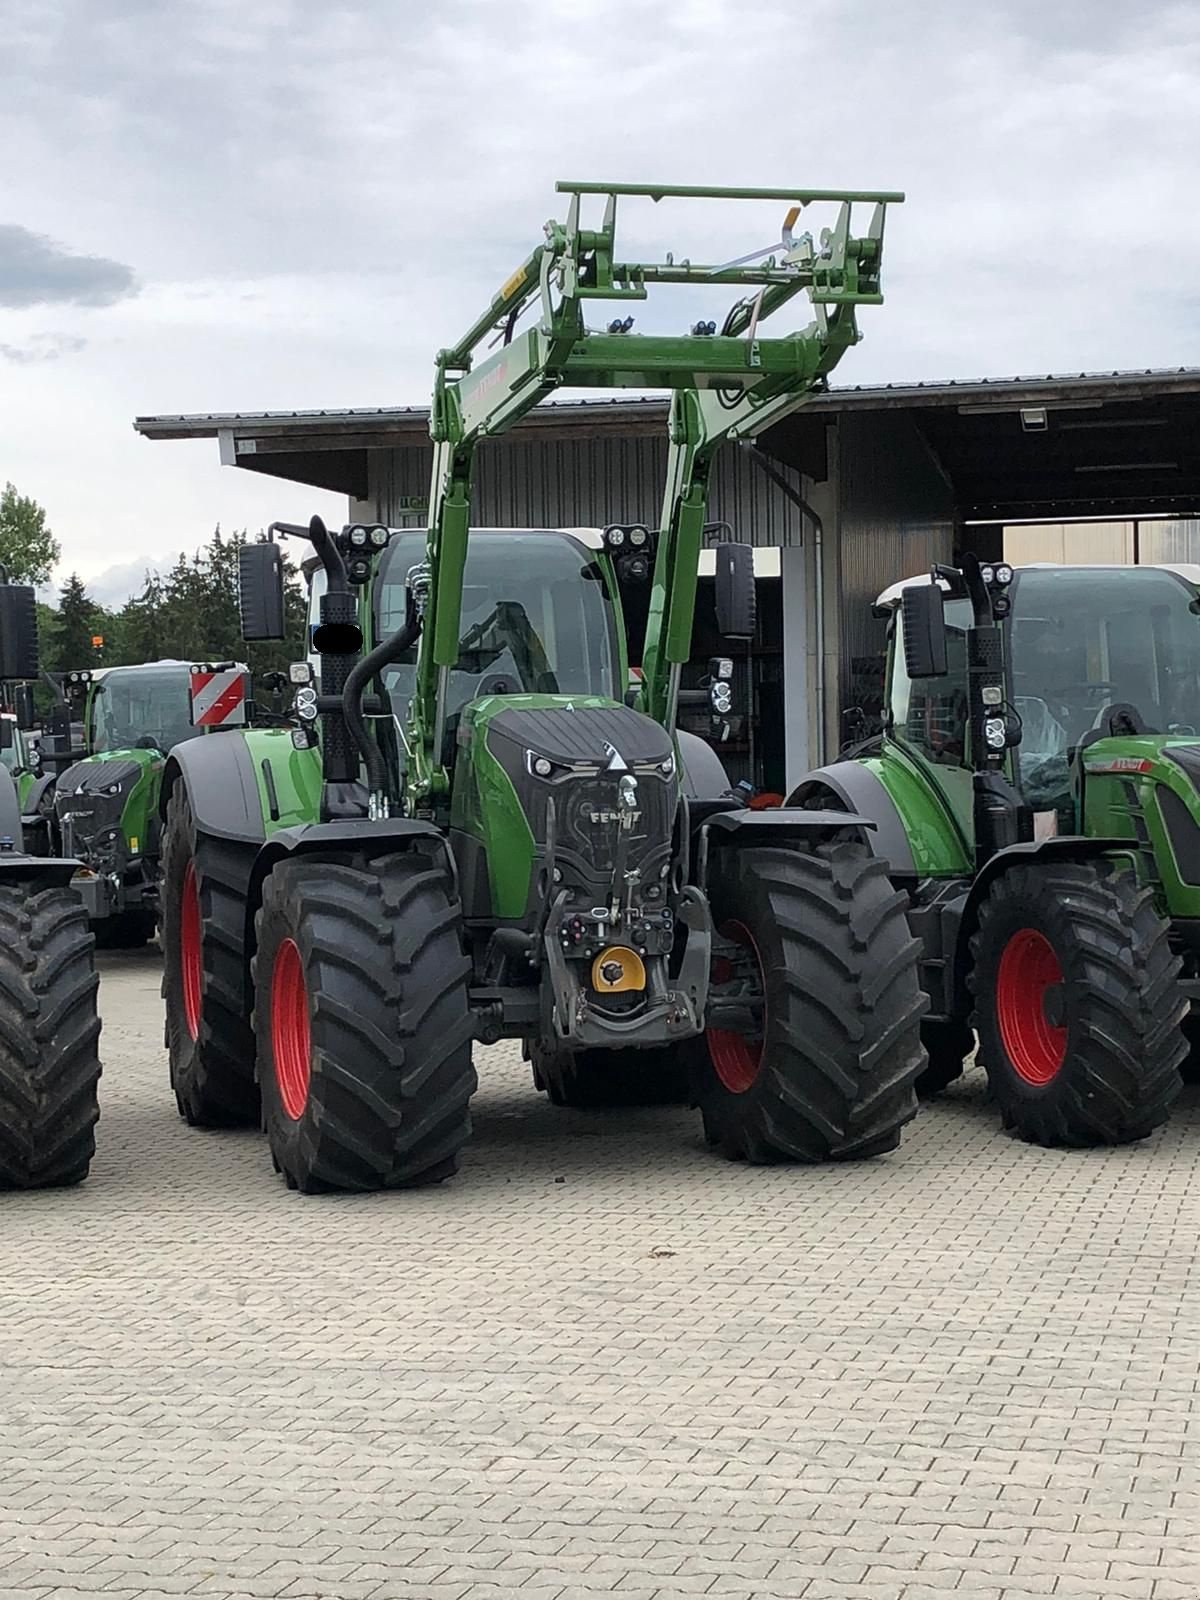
pixel 649 409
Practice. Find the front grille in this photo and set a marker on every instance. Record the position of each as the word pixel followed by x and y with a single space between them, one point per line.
pixel 589 832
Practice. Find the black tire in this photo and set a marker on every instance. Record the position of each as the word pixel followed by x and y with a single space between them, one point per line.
pixel 212 1053
pixel 947 1042
pixel 378 989
pixel 597 1079
pixel 125 930
pixel 1103 1066
pixel 841 1048
pixel 49 1040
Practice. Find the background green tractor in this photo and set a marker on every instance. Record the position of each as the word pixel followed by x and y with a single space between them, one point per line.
pixel 478 831
pixel 1037 794
pixel 49 1028
pixel 106 805
pixel 19 757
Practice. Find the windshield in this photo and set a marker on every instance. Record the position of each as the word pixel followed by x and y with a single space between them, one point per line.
pixel 536 618
pixel 1082 639
pixel 142 707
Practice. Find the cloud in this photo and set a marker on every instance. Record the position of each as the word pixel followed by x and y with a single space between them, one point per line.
pixel 42 347
pixel 35 271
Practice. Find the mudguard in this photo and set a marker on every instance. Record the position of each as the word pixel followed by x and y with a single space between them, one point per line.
pixel 704 775
pixel 860 791
pixel 43 786
pixel 219 773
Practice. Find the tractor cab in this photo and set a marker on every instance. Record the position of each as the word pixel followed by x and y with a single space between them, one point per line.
pixel 1088 654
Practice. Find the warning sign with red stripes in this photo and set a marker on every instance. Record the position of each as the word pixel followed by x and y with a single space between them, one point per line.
pixel 219 698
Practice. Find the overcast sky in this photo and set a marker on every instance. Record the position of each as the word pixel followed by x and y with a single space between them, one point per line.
pixel 294 203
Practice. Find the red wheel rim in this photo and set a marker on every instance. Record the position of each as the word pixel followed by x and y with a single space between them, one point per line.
pixel 1029 970
pixel 736 1059
pixel 189 950
pixel 291 1041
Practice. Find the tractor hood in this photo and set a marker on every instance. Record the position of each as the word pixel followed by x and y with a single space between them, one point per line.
pixel 1147 788
pixel 594 780
pixel 98 802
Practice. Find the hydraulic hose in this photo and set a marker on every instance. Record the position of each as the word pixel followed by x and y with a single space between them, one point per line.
pixel 384 654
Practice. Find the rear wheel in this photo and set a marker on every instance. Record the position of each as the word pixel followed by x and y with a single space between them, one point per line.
pixel 49 1039
pixel 1078 1006
pixel 818 1007
pixel 362 1023
pixel 948 1042
pixel 209 1039
pixel 594 1079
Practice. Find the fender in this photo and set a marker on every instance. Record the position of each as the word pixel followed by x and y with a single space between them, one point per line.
pixel 219 774
pixel 45 784
pixel 1072 847
pixel 860 791
pixel 704 775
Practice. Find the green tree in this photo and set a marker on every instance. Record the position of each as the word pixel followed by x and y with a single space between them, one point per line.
pixel 27 547
pixel 78 619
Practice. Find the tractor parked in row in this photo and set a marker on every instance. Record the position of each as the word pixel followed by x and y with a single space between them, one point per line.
pixel 105 806
pixel 49 1027
pixel 1036 794
pixel 479 831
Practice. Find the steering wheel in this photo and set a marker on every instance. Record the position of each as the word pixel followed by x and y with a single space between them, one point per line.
pixel 497 683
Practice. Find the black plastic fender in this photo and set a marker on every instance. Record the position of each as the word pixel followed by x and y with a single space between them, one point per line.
pixel 43 786
pixel 860 791
pixel 704 775
pixel 219 774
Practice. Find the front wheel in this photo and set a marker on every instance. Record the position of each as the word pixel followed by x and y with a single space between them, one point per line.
pixel 1078 1006
pixel 813 1045
pixel 49 1039
pixel 362 1023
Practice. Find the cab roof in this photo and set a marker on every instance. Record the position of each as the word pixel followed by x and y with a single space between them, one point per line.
pixel 1188 571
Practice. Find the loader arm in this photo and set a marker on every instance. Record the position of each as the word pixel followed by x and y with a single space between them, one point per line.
pixel 725 385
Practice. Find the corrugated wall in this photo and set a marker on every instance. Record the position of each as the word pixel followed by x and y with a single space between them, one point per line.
pixel 585 482
pixel 895 518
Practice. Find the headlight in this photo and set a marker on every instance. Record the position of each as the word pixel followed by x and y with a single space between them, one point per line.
pixel 379 537
pixel 358 536
pixel 994 732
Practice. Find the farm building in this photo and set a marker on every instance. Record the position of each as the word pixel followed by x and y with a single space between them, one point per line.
pixel 857 488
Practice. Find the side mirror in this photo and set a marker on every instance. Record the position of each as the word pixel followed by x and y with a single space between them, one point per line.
pixel 18 631
pixel 736 597
pixel 8 735
pixel 922 607
pixel 260 592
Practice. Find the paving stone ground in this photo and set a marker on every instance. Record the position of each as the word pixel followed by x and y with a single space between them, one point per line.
pixel 599 1362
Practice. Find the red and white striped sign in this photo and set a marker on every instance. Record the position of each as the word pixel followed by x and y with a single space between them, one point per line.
pixel 218 698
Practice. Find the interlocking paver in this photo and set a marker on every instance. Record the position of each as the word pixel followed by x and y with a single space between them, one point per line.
pixel 967 1369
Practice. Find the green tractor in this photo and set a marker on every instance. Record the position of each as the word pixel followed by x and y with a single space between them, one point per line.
pixel 479 831
pixel 106 805
pixel 49 1027
pixel 18 757
pixel 1036 793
